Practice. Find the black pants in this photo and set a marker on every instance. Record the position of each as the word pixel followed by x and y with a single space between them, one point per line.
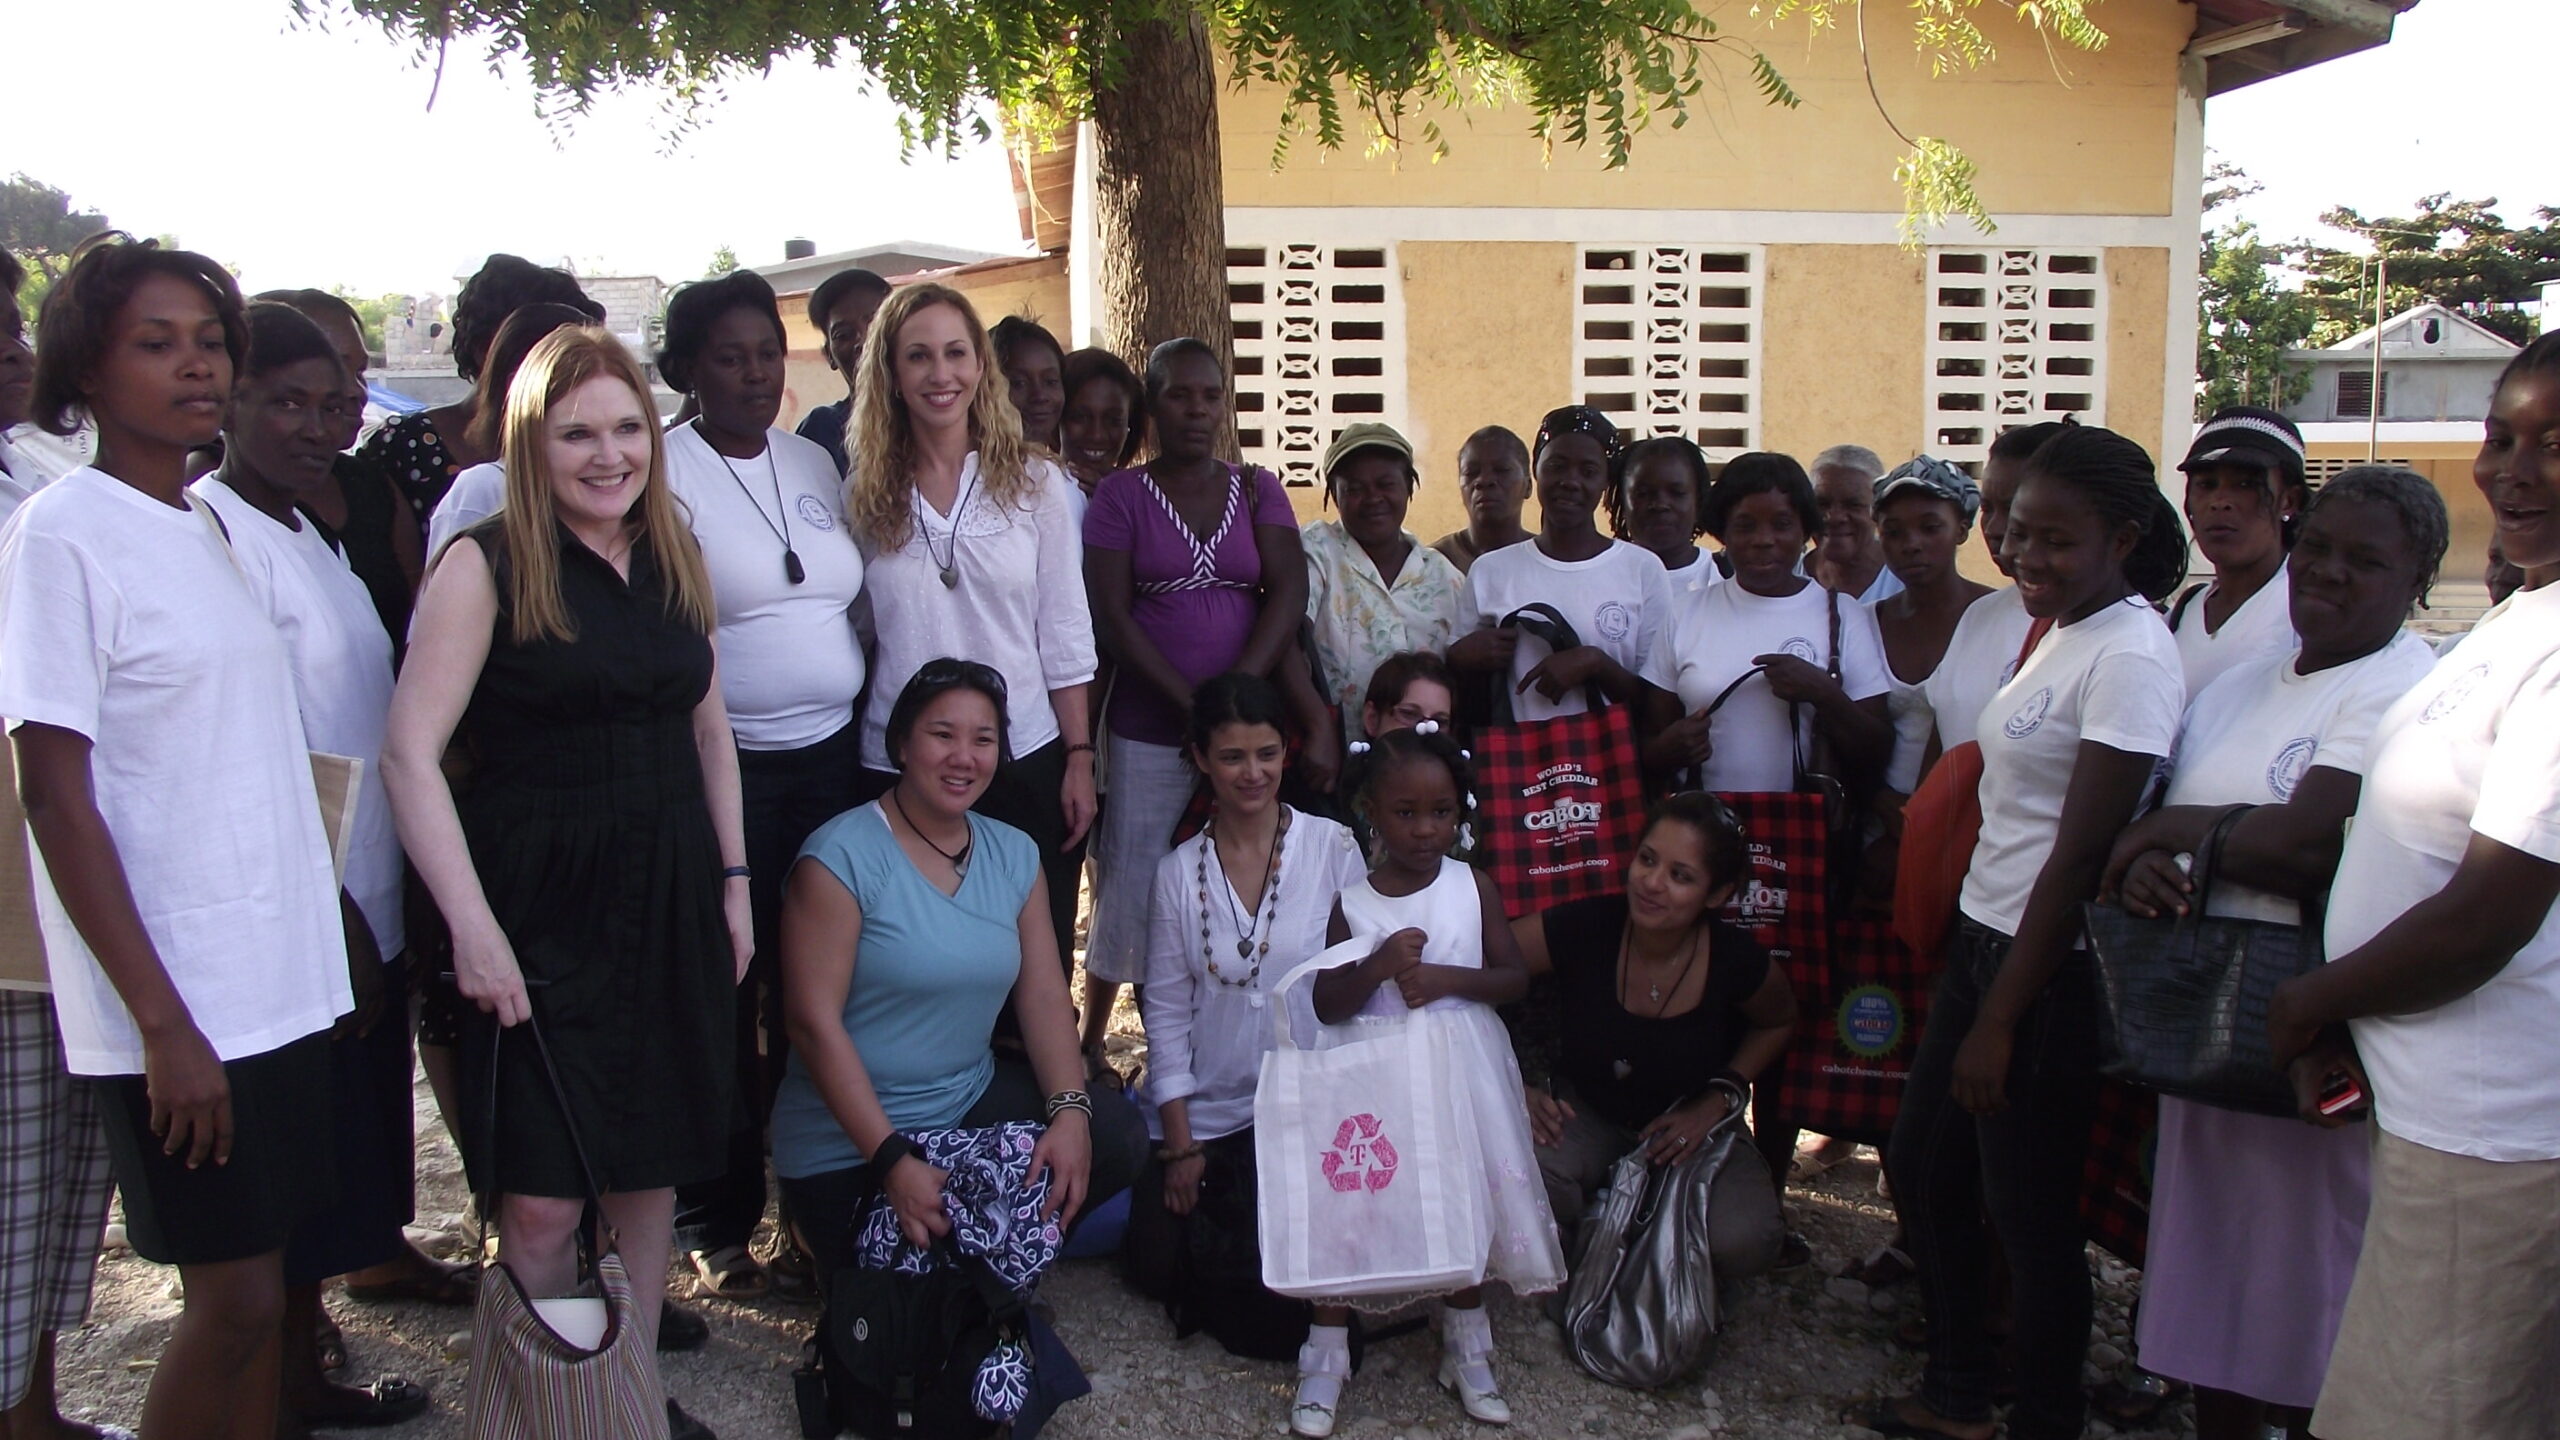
pixel 822 1206
pixel 784 795
pixel 1024 795
pixel 2023 1166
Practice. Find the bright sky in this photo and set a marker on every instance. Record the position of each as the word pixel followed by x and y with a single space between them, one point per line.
pixel 309 157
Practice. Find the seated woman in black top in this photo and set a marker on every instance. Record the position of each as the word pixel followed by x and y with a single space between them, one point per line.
pixel 1659 998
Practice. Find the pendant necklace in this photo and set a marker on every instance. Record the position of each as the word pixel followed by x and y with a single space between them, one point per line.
pixel 948 564
pixel 1622 1068
pixel 958 859
pixel 1264 919
pixel 792 569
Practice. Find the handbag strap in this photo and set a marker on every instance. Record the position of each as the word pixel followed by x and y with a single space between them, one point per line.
pixel 1329 958
pixel 532 1029
pixel 1546 623
pixel 2208 856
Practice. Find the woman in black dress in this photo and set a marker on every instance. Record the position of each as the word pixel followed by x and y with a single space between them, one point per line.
pixel 592 874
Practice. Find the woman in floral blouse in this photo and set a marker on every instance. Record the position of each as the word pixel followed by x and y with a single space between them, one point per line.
pixel 1372 589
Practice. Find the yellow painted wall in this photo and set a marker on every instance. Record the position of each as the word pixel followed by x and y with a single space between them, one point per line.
pixel 2137 347
pixel 2448 464
pixel 2074 133
pixel 1488 341
pixel 1842 330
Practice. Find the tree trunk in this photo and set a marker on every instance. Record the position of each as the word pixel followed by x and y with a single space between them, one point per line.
pixel 1159 198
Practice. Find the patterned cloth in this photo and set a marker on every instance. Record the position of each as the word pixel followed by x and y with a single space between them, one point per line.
pixel 994 1203
pixel 53 1188
pixel 409 450
pixel 1361 618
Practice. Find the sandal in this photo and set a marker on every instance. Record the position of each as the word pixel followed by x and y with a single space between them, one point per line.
pixel 391 1400
pixel 1883 1266
pixel 329 1345
pixel 728 1273
pixel 1794 1253
pixel 2130 1402
pixel 454 1285
pixel 794 1276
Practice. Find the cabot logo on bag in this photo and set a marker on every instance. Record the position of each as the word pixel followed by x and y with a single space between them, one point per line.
pixel 1870 1021
pixel 1361 1157
pixel 1563 819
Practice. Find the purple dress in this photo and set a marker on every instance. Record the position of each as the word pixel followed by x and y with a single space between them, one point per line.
pixel 1196 599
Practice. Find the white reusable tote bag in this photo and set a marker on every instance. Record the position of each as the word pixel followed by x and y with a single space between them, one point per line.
pixel 1368 1182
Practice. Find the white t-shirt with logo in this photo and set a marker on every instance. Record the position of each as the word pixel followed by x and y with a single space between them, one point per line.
pixel 2253 734
pixel 2112 678
pixel 124 620
pixel 341 659
pixel 790 662
pixel 1980 658
pixel 2262 627
pixel 1616 601
pixel 2472 749
pixel 1714 633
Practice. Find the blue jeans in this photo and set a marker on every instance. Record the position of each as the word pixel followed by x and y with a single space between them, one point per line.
pixel 2021 1168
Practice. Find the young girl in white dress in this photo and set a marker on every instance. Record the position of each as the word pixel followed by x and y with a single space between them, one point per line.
pixel 1442 945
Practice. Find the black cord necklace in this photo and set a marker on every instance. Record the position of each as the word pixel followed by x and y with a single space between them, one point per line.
pixel 958 859
pixel 792 569
pixel 949 564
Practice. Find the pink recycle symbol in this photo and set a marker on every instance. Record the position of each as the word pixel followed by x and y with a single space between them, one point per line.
pixel 1361 1156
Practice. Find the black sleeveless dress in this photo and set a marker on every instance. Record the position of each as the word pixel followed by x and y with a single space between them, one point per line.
pixel 588 826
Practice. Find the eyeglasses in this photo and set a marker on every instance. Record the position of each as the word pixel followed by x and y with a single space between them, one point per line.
pixel 1408 714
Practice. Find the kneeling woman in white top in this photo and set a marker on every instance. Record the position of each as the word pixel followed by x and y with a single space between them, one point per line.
pixel 1236 907
pixel 2255 1221
pixel 1998 1108
pixel 190 916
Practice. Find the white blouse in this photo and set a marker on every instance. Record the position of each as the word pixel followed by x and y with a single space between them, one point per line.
pixel 1205 1006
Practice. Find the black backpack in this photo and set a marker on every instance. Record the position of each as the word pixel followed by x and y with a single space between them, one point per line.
pixel 896 1356
pixel 1219 1286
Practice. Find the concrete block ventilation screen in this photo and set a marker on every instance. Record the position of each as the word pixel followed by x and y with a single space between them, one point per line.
pixel 1666 341
pixel 1319 345
pixel 2016 337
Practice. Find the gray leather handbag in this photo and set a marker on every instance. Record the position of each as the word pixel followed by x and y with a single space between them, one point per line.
pixel 1640 1310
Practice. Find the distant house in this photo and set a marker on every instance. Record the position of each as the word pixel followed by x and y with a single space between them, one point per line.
pixel 2438 367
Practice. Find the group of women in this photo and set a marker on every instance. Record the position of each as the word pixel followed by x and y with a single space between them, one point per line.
pixel 735 785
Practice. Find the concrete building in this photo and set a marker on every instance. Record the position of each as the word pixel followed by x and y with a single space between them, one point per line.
pixel 2438 367
pixel 1741 280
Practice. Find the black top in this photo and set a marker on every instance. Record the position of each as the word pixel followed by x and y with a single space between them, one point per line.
pixel 1630 1068
pixel 410 451
pixel 826 425
pixel 366 544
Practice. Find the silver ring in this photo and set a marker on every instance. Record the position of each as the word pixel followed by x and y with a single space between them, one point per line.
pixel 1679 1139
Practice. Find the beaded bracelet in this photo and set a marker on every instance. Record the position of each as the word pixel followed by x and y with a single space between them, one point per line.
pixel 1192 1151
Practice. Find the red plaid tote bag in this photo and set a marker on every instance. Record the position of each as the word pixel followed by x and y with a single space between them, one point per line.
pixel 2115 1188
pixel 1563 799
pixel 1787 834
pixel 1863 1002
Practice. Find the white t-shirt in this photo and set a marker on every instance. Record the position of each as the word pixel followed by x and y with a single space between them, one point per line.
pixel 476 494
pixel 2473 748
pixel 1885 586
pixel 790 662
pixel 1616 600
pixel 2111 678
pixel 1701 570
pixel 124 620
pixel 2253 734
pixel 341 660
pixel 1715 631
pixel 1980 658
pixel 2260 628
pixel 1019 607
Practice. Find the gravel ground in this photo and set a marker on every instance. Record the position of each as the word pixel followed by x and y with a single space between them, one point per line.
pixel 1798 1350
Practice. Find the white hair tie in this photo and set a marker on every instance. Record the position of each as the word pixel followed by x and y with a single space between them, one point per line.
pixel 1356 747
pixel 1426 727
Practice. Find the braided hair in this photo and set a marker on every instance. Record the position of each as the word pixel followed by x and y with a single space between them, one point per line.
pixel 2120 482
pixel 1388 753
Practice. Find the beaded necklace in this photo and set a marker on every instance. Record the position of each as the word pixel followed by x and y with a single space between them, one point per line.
pixel 1252 942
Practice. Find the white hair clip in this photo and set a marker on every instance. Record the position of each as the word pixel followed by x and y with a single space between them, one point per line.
pixel 1356 747
pixel 1466 837
pixel 1467 755
pixel 1426 727
pixel 1471 802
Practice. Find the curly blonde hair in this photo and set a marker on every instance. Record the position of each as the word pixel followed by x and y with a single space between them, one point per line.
pixel 561 362
pixel 879 497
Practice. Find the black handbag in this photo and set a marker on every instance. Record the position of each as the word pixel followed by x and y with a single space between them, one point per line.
pixel 897 1355
pixel 1220 1287
pixel 2183 1002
